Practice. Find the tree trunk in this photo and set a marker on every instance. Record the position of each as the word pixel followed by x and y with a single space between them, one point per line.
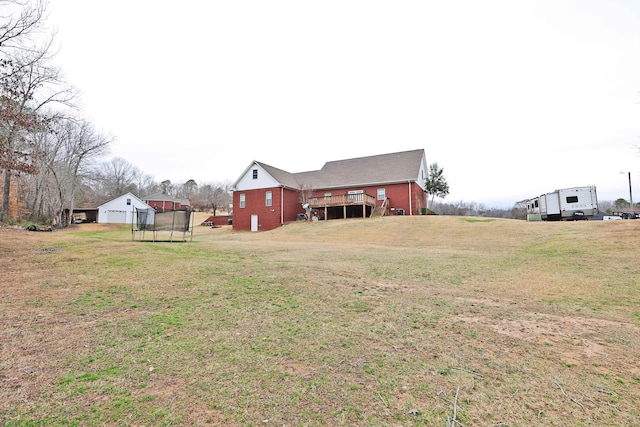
pixel 6 192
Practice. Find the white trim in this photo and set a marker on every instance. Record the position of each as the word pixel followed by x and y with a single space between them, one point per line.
pixel 281 205
pixel 247 182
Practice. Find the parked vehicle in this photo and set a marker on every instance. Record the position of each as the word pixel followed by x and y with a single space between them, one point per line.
pixel 629 215
pixel 567 204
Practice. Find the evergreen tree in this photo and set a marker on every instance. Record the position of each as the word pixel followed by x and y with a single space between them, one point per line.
pixel 436 184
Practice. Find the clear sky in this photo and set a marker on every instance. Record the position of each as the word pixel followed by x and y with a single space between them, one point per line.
pixel 511 98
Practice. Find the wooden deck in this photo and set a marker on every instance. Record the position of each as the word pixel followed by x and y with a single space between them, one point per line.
pixel 343 200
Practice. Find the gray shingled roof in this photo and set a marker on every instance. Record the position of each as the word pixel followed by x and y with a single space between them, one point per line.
pixel 283 177
pixel 381 169
pixel 163 197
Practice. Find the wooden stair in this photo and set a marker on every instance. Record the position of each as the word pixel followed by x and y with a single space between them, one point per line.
pixel 381 210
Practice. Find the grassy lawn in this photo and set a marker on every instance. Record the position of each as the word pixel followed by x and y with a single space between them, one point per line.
pixel 395 321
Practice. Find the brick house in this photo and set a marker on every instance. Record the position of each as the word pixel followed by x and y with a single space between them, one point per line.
pixel 163 203
pixel 265 197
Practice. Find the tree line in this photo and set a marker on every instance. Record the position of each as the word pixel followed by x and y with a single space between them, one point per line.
pixel 436 186
pixel 52 160
pixel 112 178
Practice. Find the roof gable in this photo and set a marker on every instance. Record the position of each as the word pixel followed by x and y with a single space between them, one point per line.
pixel 265 176
pixel 116 200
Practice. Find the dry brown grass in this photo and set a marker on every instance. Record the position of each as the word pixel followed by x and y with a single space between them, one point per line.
pixel 389 321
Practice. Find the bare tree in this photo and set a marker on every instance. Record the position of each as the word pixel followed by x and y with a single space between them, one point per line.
pixel 188 189
pixel 116 177
pixel 67 153
pixel 29 84
pixel 212 196
pixel 605 206
pixel 519 210
pixel 166 187
pixel 145 184
pixel 81 144
pixel 304 195
pixel 19 21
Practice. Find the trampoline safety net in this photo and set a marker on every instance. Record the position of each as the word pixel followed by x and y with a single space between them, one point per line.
pixel 148 220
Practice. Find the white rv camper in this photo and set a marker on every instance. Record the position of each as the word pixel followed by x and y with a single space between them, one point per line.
pixel 565 204
pixel 533 209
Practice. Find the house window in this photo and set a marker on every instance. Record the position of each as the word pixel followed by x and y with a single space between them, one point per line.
pixel 242 200
pixel 268 200
pixel 128 202
pixel 255 174
pixel 381 194
pixel 327 194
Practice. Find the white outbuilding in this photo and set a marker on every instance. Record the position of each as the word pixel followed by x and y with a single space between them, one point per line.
pixel 120 210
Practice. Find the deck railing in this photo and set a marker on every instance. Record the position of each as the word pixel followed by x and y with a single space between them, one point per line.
pixel 342 200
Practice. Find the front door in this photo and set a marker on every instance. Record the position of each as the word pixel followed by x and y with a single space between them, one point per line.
pixel 254 222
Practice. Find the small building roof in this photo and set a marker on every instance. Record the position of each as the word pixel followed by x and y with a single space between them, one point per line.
pixel 161 197
pixel 125 195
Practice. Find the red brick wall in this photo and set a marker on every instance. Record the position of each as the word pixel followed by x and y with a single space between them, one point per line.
pixel 292 205
pixel 398 195
pixel 217 220
pixel 420 198
pixel 167 205
pixel 269 217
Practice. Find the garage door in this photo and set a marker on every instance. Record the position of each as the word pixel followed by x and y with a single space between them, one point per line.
pixel 117 216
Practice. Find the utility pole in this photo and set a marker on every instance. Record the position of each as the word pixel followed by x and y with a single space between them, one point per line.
pixel 631 207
